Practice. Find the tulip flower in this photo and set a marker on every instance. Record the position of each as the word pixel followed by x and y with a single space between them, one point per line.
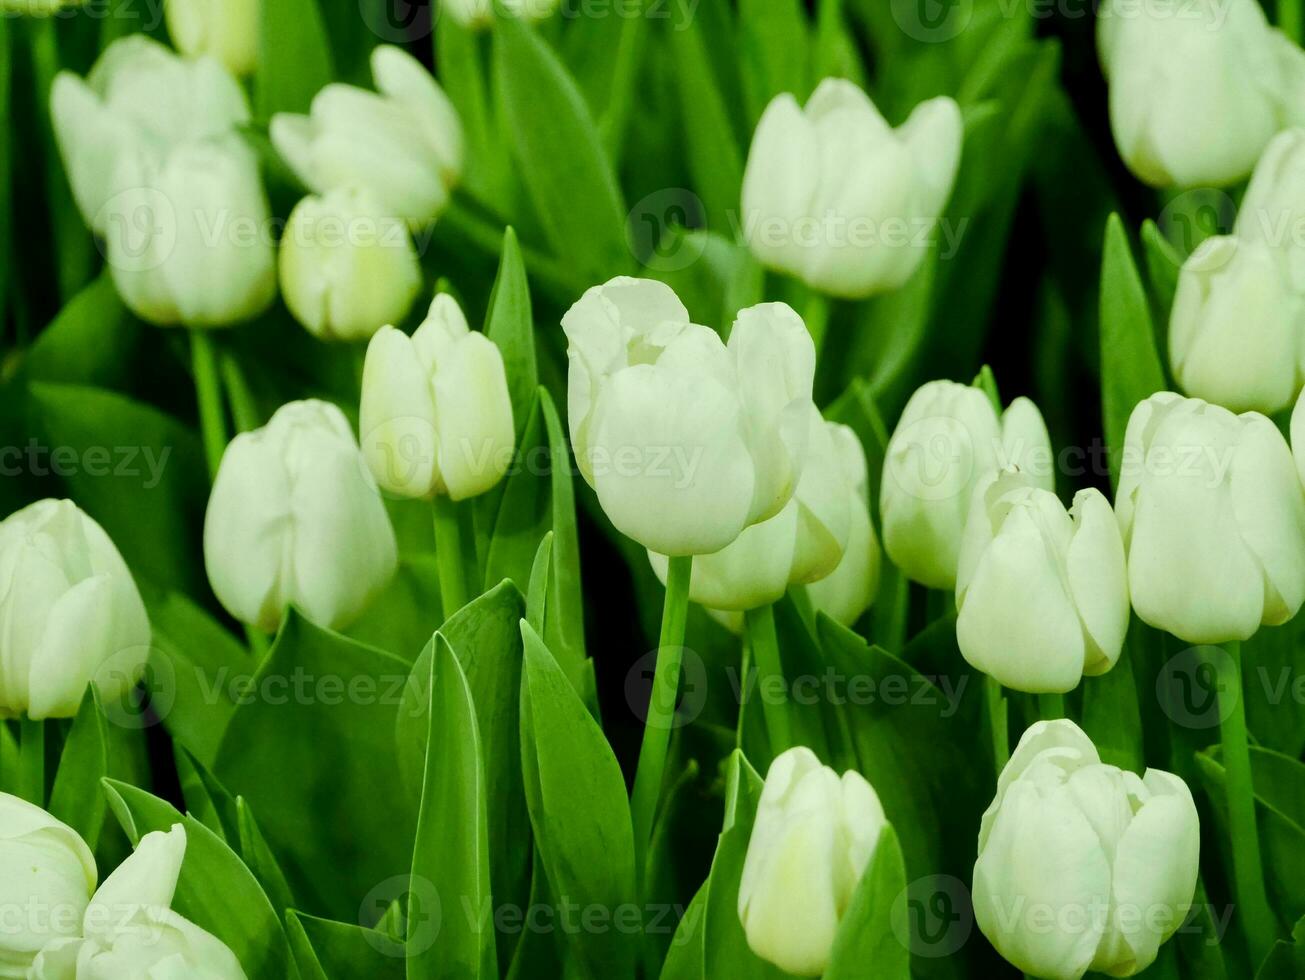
pixel 835 197
pixel 1298 436
pixel 347 268
pixel 1213 518
pixel 812 839
pixel 436 417
pixel 479 14
pixel 403 144
pixel 1041 594
pixel 1272 211
pixel 295 517
pixel 47 874
pixel 70 613
pixel 227 30
pixel 1196 88
pixel 1083 866
pixel 948 439
pixel 685 440
pixel 847 591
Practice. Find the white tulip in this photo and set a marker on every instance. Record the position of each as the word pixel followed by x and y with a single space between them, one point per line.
pixel 1196 87
pixel 837 198
pixel 47 874
pixel 295 517
pixel 478 14
pixel 403 144
pixel 347 267
pixel 1082 866
pixel 1272 212
pixel 435 415
pixel 848 591
pixel 70 614
pixel 1213 518
pixel 686 441
pixel 1298 435
pixel 812 839
pixel 1041 594
pixel 948 439
pixel 228 30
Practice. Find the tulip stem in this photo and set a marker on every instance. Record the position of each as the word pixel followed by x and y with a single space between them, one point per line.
pixel 1051 706
pixel 816 317
pixel 448 555
pixel 244 407
pixel 31 761
pixel 760 625
pixel 1289 19
pixel 661 708
pixel 208 392
pixel 997 722
pixel 1248 870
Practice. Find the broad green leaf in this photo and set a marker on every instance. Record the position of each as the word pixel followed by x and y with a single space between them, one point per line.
pixel 401 619
pixel 327 950
pixel 294 57
pixel 6 212
pixel 685 955
pixel 773 52
pixel 510 324
pixel 89 341
pixel 260 859
pixel 523 514
pixel 462 67
pixel 77 798
pixel 867 933
pixel 1163 263
pixel 1111 714
pixel 206 799
pixel 537 595
pixel 565 628
pixel 1286 961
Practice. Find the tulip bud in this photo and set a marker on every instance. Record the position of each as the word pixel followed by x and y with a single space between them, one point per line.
pixel 1234 325
pixel 835 197
pixel 295 517
pixel 1272 211
pixel 848 591
pixel 403 144
pixel 948 438
pixel 70 613
pixel 1213 518
pixel 1298 436
pixel 1180 70
pixel 228 30
pixel 47 874
pixel 812 839
pixel 686 441
pixel 479 14
pixel 1083 866
pixel 436 416
pixel 347 268
pixel 1041 594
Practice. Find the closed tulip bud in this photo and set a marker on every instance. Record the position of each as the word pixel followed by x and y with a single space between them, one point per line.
pixel 813 836
pixel 47 874
pixel 403 144
pixel 1041 594
pixel 70 613
pixel 1213 518
pixel 1233 331
pixel 1298 435
pixel 347 268
pixel 478 14
pixel 435 415
pixel 228 30
pixel 1272 211
pixel 686 441
pixel 837 198
pixel 295 517
pixel 1083 866
pixel 848 591
pixel 948 439
pixel 1179 71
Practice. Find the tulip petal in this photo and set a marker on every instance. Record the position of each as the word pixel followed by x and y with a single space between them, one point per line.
pixel 473 417
pixel 396 416
pixel 1098 579
pixel 148 878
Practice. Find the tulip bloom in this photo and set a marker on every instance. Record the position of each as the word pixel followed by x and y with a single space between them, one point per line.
pixel 848 591
pixel 227 30
pixel 1083 866
pixel 478 14
pixel 404 145
pixel 813 837
pixel 948 439
pixel 436 417
pixel 835 197
pixel 1041 594
pixel 1213 519
pixel 1273 209
pixel 295 517
pixel 70 613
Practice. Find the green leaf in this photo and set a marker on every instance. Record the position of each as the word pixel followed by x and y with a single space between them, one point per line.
pixel 773 51
pixel 867 933
pixel 294 57
pixel 1163 263
pixel 588 851
pixel 402 618
pixel 510 324
pixel 1286 961
pixel 460 61
pixel 325 950
pixel 565 626
pixel 260 859
pixel 523 514
pixel 207 800
pixel 77 798
pixel 88 342
pixel 1111 716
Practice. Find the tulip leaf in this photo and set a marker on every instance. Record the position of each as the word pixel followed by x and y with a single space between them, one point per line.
pixel 1110 714
pixel 587 851
pixel 1286 961
pixel 206 799
pixel 324 949
pixel 260 859
pixel 1163 264
pixel 521 513
pixel 773 52
pixel 452 847
pixel 216 890
pixel 510 324
pixel 402 618
pixel 459 60
pixel 685 957
pixel 867 932
pixel 294 57
pixel 1130 364
pixel 6 166
pixel 77 798
pixel 88 342
pixel 565 628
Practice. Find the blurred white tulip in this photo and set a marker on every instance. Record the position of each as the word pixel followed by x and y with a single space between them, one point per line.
pixel 848 591
pixel 478 14
pixel 228 30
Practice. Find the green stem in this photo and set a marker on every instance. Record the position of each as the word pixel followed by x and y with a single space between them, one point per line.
pixel 661 708
pixel 208 392
pixel 816 317
pixel 448 555
pixel 31 761
pixel 760 625
pixel 997 722
pixel 1289 19
pixel 745 665
pixel 1051 706
pixel 1248 869
pixel 244 407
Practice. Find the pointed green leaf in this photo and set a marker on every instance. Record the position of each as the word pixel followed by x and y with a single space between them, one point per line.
pixel 510 324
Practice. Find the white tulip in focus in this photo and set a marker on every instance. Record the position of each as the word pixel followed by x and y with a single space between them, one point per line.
pixel 403 144
pixel 70 613
pixel 1041 594
pixel 1213 518
pixel 347 267
pixel 228 30
pixel 435 415
pixel 1196 87
pixel 1083 866
pixel 295 517
pixel 812 839
pixel 685 440
pixel 949 438
pixel 479 14
pixel 1298 435
pixel 47 874
pixel 839 199
pixel 1272 212
pixel 848 591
